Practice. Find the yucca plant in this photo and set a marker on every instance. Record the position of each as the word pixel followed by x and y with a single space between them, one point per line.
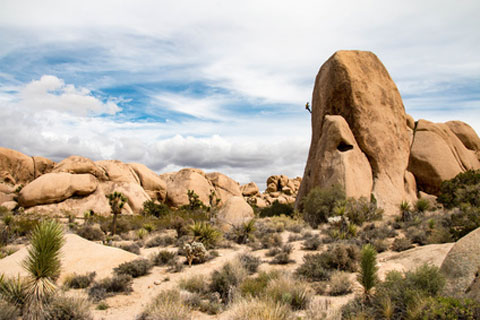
pixel 117 201
pixel 205 233
pixel 43 265
pixel 368 269
pixel 406 211
pixel 244 232
pixel 13 290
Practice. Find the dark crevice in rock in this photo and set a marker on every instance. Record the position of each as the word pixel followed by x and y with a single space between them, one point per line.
pixel 343 146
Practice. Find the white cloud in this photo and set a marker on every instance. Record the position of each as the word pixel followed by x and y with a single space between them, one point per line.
pixel 51 93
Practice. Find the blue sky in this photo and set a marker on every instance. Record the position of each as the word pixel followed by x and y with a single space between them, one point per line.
pixel 218 85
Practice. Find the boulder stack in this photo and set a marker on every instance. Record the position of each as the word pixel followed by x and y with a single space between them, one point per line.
pixel 279 188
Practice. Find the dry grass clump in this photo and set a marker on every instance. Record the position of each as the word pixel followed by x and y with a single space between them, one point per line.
pixel 168 305
pixel 322 310
pixel 259 309
pixel 62 307
pixel 194 284
pixel 340 284
pixel 78 281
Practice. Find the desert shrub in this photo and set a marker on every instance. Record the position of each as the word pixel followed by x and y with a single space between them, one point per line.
pixel 13 290
pixel 141 233
pixel 282 256
pixel 8 311
pixel 312 243
pixel 159 241
pixel 24 225
pixel 449 308
pixel 163 257
pixel 380 245
pixel 135 268
pixel 108 287
pixel 243 233
pixel 401 244
pixel 205 233
pixel 464 188
pixel 195 252
pixel 250 262
pixel 318 205
pixel 417 234
pixel 175 265
pixel 226 280
pixel 371 232
pixel 79 281
pixel 341 257
pixel 340 228
pixel 155 209
pixel 359 211
pixel 62 307
pixel 277 209
pixel 321 309
pixel 289 291
pixel 168 305
pixel 463 220
pixel 312 268
pixel 259 309
pixel 340 284
pixel 256 286
pixel 294 237
pixel 422 205
pixel 194 284
pixel 130 247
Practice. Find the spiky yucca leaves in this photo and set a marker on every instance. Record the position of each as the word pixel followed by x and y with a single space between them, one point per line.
pixel 43 265
pixel 13 290
pixel 117 201
pixel 368 269
pixel 205 233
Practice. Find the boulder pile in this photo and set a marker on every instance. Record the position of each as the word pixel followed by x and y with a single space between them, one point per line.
pixel 363 140
pixel 279 188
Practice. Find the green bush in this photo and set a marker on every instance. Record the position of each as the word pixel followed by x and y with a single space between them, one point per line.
pixel 163 257
pixel 368 268
pixel 447 308
pixel 68 308
pixel 313 268
pixel 319 204
pixel 289 291
pixel 205 233
pixel 277 209
pixel 79 281
pixel 464 188
pixel 401 244
pixel 226 280
pixel 256 286
pixel 151 208
pixel 463 220
pixel 135 268
pixel 359 211
pixel 422 205
pixel 110 286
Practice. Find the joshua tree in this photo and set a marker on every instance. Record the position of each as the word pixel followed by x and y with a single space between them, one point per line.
pixel 43 265
pixel 117 201
pixel 368 269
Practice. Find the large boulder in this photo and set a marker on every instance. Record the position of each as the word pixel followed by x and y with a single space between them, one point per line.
pixel 233 213
pixel 15 167
pixel 461 264
pixel 438 154
pixel 466 134
pixel 225 187
pixel 184 180
pixel 338 160
pixel 356 86
pixel 56 187
pixel 42 165
pixel 155 186
pixel 118 171
pixel 250 189
pixel 79 165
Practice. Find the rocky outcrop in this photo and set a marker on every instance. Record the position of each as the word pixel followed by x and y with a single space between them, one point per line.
pixel 279 188
pixel 153 185
pixel 15 167
pixel 356 86
pixel 466 134
pixel 439 154
pixel 184 180
pixel 42 165
pixel 79 165
pixel 225 187
pixel 233 213
pixel 461 265
pixel 56 187
pixel 118 171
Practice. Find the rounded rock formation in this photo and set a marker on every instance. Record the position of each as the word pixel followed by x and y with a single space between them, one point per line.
pixel 233 213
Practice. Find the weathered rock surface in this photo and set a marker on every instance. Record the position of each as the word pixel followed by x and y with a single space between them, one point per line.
pixel 356 86
pixel 56 187
pixel 118 171
pixel 79 165
pixel 15 167
pixel 461 264
pixel 438 154
pixel 466 134
pixel 155 186
pixel 234 212
pixel 134 193
pixel 225 187
pixel 184 180
pixel 250 189
pixel 42 165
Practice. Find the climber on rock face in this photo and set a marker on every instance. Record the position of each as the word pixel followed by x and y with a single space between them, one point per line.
pixel 307 107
